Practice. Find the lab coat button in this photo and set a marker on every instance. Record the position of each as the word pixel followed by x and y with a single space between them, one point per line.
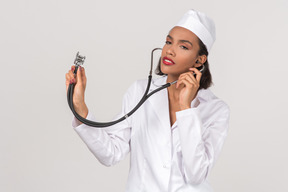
pixel 165 166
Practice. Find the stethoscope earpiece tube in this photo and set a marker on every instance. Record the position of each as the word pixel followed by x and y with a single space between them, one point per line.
pixel 79 61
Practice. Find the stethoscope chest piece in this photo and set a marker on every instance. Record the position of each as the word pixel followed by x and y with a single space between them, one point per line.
pixel 79 60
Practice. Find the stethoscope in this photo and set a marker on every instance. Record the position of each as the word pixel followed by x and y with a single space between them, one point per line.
pixel 79 60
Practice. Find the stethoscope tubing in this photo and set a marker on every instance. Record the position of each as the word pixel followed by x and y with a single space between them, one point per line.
pixel 145 96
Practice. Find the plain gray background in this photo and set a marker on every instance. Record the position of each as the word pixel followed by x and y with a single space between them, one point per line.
pixel 39 39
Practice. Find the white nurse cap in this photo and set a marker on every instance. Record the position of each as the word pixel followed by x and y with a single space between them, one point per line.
pixel 200 25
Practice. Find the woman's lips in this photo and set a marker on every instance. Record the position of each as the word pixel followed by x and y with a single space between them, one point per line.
pixel 167 61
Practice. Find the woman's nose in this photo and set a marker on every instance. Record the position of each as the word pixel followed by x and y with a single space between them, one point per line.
pixel 170 51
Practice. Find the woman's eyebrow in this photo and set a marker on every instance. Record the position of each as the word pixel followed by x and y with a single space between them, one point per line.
pixel 182 41
pixel 170 37
pixel 186 41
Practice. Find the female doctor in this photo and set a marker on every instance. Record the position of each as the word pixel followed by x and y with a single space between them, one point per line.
pixel 176 136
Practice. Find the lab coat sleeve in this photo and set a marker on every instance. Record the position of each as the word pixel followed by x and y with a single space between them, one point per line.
pixel 109 145
pixel 201 142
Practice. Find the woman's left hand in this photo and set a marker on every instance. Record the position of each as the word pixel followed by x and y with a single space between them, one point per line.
pixel 189 86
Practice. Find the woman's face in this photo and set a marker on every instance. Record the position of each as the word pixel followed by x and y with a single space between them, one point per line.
pixel 180 52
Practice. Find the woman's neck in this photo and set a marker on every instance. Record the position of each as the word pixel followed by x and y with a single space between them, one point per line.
pixel 173 92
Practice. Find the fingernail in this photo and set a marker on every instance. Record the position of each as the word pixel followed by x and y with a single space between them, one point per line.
pixel 72 68
pixel 73 80
pixel 70 82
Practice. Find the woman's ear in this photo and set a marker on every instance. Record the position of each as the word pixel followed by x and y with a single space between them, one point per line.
pixel 200 60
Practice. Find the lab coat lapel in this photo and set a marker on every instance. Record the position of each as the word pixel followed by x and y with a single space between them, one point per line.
pixel 159 101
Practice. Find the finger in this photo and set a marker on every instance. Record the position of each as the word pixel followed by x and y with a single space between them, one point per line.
pixel 68 81
pixel 67 77
pixel 180 78
pixel 83 74
pixel 189 76
pixel 186 83
pixel 182 82
pixel 197 72
pixel 72 76
pixel 178 83
pixel 73 68
pixel 80 75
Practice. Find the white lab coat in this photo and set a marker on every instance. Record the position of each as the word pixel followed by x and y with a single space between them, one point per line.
pixel 162 158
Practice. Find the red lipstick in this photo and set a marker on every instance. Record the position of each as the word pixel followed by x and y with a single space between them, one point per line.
pixel 167 61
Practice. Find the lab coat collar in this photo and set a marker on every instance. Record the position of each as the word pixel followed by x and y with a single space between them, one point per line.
pixel 160 102
pixel 202 95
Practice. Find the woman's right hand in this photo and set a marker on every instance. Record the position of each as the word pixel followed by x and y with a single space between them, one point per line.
pixel 79 90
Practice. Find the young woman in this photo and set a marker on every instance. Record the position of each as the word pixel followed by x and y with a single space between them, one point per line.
pixel 176 136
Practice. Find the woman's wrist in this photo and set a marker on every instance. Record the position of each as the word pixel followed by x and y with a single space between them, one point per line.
pixel 184 107
pixel 81 109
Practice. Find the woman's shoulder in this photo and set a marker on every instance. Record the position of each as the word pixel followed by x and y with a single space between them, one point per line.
pixel 141 84
pixel 208 98
pixel 137 88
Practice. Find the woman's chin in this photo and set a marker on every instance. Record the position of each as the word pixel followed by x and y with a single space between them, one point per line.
pixel 166 69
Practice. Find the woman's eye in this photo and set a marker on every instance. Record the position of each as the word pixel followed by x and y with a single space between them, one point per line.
pixel 168 42
pixel 183 47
